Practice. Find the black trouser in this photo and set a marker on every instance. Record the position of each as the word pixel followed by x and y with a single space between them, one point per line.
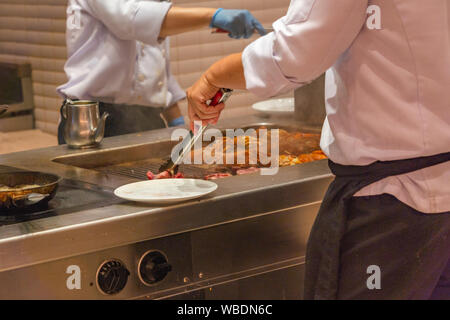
pixel 124 119
pixel 411 249
pixel 350 234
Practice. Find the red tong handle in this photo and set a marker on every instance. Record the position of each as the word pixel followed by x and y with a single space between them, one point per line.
pixel 216 99
pixel 218 30
pixel 221 96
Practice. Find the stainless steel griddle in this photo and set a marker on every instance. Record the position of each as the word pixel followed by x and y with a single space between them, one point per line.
pixel 247 236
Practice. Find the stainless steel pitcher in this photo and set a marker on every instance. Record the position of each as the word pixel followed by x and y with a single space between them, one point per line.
pixel 84 127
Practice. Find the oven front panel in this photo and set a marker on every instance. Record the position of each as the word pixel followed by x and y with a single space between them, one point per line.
pixel 262 252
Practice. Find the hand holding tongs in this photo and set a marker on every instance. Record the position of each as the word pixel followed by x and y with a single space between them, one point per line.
pixel 172 166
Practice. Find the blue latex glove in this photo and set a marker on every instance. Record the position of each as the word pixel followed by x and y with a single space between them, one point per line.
pixel 239 23
pixel 177 122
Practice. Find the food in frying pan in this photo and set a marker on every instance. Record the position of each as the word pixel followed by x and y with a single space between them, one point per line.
pixel 24 188
pixel 19 187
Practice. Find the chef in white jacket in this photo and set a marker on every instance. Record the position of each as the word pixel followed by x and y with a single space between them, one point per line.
pixel 383 230
pixel 118 54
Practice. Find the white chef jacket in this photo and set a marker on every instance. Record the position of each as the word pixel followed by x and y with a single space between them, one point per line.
pixel 115 55
pixel 387 84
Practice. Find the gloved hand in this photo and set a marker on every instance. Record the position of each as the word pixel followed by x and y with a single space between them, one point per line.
pixel 239 23
pixel 177 122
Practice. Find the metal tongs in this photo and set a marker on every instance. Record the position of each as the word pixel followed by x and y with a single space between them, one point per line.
pixel 189 141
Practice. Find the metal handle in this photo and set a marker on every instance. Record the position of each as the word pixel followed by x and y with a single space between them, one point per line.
pixel 30 199
pixel 64 108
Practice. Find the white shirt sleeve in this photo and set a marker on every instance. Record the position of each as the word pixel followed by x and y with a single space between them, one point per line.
pixel 175 89
pixel 130 19
pixel 304 44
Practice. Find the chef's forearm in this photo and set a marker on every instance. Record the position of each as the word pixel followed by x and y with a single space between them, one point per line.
pixel 227 73
pixel 179 20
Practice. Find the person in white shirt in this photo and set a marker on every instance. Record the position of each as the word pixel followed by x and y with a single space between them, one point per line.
pixel 383 231
pixel 118 54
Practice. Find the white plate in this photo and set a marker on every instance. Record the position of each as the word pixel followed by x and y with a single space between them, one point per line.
pixel 165 191
pixel 276 106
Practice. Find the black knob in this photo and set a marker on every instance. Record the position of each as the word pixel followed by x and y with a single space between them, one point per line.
pixel 112 277
pixel 153 267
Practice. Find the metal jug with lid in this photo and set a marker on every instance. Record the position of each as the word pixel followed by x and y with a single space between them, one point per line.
pixel 84 128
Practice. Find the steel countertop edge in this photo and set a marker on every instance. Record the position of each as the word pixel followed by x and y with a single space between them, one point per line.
pixel 241 197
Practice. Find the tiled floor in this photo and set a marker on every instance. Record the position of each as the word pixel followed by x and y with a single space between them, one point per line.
pixel 25 140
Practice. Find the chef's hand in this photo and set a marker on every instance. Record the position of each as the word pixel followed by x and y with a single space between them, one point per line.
pixel 198 95
pixel 239 23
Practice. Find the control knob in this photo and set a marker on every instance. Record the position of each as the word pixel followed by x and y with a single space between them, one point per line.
pixel 153 267
pixel 112 276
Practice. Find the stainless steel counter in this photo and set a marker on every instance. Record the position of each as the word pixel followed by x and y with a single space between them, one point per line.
pixel 237 198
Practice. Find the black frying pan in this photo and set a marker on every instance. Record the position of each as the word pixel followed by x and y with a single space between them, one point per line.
pixel 23 189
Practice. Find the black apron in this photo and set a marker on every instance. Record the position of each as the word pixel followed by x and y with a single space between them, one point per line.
pixel 323 249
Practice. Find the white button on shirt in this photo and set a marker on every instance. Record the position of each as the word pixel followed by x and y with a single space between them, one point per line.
pixel 115 55
pixel 387 84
